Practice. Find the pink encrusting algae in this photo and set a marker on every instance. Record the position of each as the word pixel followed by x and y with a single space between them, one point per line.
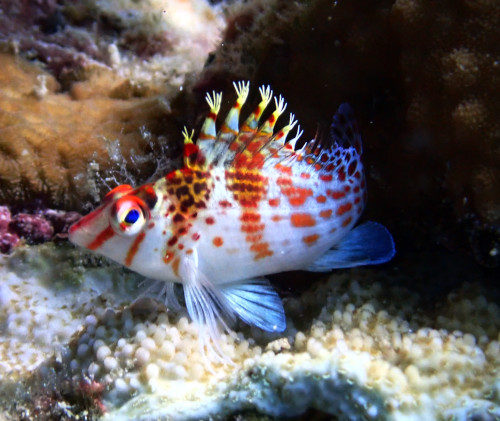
pixel 245 204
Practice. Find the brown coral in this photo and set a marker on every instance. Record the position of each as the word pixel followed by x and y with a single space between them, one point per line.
pixel 47 139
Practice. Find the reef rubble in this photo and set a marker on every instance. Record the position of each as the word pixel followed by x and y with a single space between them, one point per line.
pixel 355 347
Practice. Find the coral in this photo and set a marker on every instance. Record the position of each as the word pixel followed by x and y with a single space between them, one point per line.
pixel 51 146
pixel 355 347
pixel 153 42
pixel 33 228
pixel 100 113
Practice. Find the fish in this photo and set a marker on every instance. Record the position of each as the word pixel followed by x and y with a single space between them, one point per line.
pixel 247 203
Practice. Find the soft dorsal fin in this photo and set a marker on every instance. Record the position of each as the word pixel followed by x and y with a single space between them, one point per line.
pixel 333 155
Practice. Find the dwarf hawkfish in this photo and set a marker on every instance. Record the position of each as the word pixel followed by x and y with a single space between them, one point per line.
pixel 245 204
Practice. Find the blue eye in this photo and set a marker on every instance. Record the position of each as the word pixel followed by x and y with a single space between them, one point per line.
pixel 132 216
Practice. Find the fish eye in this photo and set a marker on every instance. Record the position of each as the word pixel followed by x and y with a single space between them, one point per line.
pixel 127 215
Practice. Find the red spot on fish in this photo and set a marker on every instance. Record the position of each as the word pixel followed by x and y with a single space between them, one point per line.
pixel 190 149
pixel 341 174
pixel 180 246
pixel 253 238
pixel 210 220
pixel 284 169
pixel 175 266
pixel 297 196
pixel 326 213
pixel 178 218
pixel 250 217
pixel 217 241
pixel 326 177
pixel 336 195
pixel 132 251
pixel 261 250
pixel 347 222
pixel 305 175
pixel 101 238
pixel 357 200
pixel 332 230
pixel 329 168
pixel 344 208
pixel 225 204
pixel 351 168
pixel 321 199
pixel 276 218
pixel 356 189
pixel 252 228
pixel 310 239
pixel 249 203
pixel 172 241
pixel 300 220
pixel 274 202
pixel 196 236
pixel 284 181
pixel 168 257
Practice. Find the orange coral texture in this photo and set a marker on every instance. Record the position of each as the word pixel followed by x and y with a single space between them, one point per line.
pixel 48 138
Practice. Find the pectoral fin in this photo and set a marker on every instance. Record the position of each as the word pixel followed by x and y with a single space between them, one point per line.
pixel 367 244
pixel 256 303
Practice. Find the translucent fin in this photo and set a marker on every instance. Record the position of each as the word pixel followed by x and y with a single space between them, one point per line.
pixel 283 133
pixel 252 122
pixel 368 244
pixel 208 131
pixel 161 290
pixel 206 306
pixel 267 128
pixel 256 303
pixel 231 124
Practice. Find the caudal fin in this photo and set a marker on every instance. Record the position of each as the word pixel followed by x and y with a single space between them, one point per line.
pixel 368 244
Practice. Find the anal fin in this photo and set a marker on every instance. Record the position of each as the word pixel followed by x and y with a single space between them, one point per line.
pixel 256 302
pixel 367 244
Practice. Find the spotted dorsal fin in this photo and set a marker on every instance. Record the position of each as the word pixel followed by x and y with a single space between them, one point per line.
pixel 333 155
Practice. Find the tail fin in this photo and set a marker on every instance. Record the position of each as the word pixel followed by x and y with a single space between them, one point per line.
pixel 368 244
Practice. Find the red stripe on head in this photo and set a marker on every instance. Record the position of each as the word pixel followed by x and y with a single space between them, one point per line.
pixel 101 238
pixel 132 251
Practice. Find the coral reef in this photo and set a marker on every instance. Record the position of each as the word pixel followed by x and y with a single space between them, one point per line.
pixel 149 42
pixel 33 228
pixel 355 347
pixel 52 146
pixel 101 109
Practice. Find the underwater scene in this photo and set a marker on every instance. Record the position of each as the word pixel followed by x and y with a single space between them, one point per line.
pixel 249 210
